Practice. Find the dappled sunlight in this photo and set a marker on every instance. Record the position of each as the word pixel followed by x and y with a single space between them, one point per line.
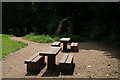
pixel 91 60
pixel 107 49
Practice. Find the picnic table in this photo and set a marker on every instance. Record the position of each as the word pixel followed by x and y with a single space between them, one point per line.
pixel 51 52
pixel 65 41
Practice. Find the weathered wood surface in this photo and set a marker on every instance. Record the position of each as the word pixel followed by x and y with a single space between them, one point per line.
pixel 63 59
pixel 35 63
pixel 36 59
pixel 74 44
pixel 64 39
pixel 66 63
pixel 31 58
pixel 50 51
pixel 57 44
pixel 67 59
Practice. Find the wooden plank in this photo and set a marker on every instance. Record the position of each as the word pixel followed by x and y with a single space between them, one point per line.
pixel 72 44
pixel 31 58
pixel 69 59
pixel 50 51
pixel 76 44
pixel 54 43
pixel 57 43
pixel 63 59
pixel 51 61
pixel 36 59
pixel 65 39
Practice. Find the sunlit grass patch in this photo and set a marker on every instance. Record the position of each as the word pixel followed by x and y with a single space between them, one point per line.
pixel 9 46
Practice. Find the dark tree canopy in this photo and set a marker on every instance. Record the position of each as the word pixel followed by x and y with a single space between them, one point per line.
pixel 98 21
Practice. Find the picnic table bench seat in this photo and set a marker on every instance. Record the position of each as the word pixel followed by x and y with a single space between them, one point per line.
pixel 66 63
pixel 56 44
pixel 35 63
pixel 74 46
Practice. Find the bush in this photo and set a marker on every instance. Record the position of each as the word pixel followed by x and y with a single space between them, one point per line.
pixel 51 38
pixel 41 38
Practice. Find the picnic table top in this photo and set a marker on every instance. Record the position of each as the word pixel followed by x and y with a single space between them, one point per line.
pixel 50 51
pixel 65 39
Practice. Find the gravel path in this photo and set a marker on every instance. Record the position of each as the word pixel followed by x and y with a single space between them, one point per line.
pixel 94 60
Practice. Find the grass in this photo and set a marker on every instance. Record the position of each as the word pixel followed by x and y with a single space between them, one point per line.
pixel 9 46
pixel 41 38
pixel 50 38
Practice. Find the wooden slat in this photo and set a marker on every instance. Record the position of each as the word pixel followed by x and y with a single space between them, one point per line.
pixel 54 43
pixel 69 59
pixel 63 59
pixel 50 51
pixel 36 59
pixel 76 44
pixel 57 43
pixel 31 58
pixel 65 39
pixel 72 44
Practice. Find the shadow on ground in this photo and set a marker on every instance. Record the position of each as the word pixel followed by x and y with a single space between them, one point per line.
pixel 56 72
pixel 69 51
pixel 52 72
pixel 109 49
pixel 35 73
pixel 70 72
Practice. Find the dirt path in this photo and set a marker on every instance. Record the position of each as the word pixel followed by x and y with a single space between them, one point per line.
pixel 94 60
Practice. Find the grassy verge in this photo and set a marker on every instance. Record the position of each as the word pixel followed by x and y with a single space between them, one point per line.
pixel 50 38
pixel 41 38
pixel 9 46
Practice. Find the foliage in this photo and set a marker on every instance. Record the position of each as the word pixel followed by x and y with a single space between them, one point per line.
pixel 98 21
pixel 9 46
pixel 50 38
pixel 40 38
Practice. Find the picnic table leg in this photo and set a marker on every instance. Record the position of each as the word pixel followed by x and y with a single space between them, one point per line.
pixel 64 46
pixel 51 61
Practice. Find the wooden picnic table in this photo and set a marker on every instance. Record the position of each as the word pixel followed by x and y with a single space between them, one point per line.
pixel 51 52
pixel 65 41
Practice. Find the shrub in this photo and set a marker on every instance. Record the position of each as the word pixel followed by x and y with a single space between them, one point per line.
pixel 51 38
pixel 40 38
